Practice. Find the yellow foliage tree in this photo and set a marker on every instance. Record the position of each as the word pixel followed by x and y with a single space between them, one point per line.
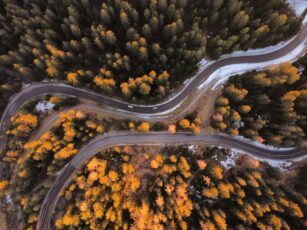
pixel 73 78
pixel 23 124
pixel 3 185
pixel 144 127
pixel 184 123
pixel 217 172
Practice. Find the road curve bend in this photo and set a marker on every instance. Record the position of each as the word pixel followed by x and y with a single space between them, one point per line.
pixel 131 138
pixel 149 111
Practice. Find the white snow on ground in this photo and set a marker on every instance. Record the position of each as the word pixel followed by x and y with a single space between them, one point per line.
pixel 298 5
pixel 223 74
pixel 203 62
pixel 258 51
pixel 231 159
pixel 301 69
pixel 192 148
pixel 256 143
pixel 281 165
pixel 44 106
pixel 8 199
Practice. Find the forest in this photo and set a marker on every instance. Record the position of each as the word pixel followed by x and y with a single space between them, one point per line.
pixel 122 189
pixel 140 49
pixel 269 106
pixel 38 160
pixel 37 154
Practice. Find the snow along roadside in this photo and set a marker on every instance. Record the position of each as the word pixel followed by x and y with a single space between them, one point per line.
pixel 223 74
pixel 298 5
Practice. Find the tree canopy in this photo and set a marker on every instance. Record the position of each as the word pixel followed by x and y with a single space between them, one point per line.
pixel 140 48
pixel 267 106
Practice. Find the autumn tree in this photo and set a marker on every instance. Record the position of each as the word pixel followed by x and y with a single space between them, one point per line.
pixel 144 127
pixel 23 124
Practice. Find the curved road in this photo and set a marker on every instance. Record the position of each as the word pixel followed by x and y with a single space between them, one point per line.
pixel 152 112
pixel 128 138
pixel 19 99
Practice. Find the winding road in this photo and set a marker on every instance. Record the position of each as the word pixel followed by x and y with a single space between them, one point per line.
pixel 128 138
pixel 149 112
pixel 153 111
pixel 106 141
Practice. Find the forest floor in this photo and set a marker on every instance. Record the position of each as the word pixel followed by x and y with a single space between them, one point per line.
pixel 206 105
pixel 2 221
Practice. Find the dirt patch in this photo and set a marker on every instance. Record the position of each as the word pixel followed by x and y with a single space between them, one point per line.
pixel 206 105
pixel 2 221
pixel 8 216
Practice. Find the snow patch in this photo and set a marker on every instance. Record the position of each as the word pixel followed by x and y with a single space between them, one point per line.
pixel 203 62
pixel 263 146
pixel 230 161
pixel 8 199
pixel 281 165
pixel 223 74
pixel 298 5
pixel 44 106
pixel 258 51
pixel 192 148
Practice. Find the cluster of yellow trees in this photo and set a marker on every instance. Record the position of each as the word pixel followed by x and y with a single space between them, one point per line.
pixel 117 194
pixel 105 80
pixel 194 126
pixel 142 127
pixel 46 156
pixel 176 190
pixel 75 126
pixel 23 123
pixel 185 124
pixel 21 127
pixel 3 185
pixel 143 85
